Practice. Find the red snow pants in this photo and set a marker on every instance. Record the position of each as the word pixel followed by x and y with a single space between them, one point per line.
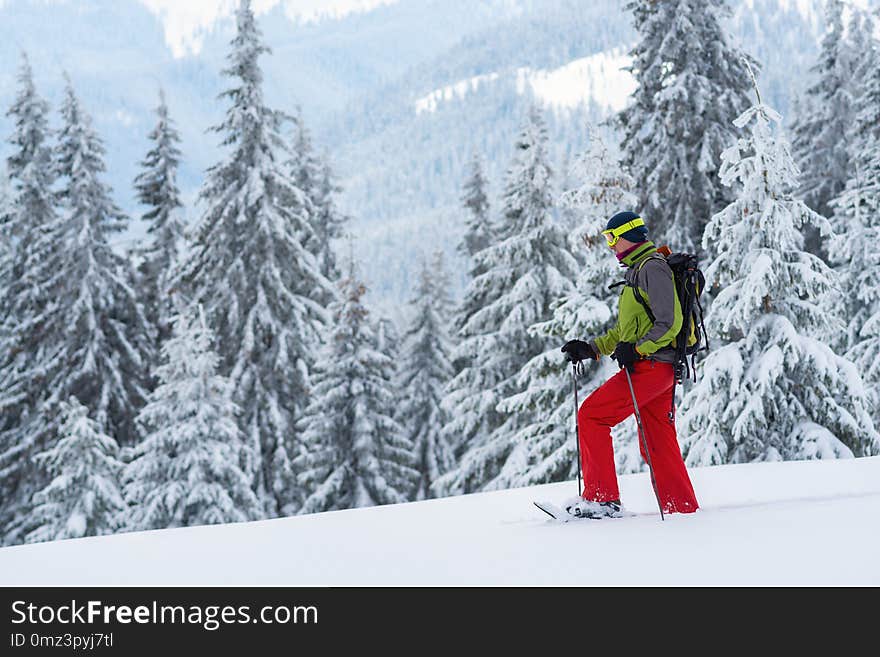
pixel 611 404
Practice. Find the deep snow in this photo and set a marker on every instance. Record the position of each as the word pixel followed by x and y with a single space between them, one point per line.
pixel 791 523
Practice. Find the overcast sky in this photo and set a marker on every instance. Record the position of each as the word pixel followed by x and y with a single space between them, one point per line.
pixel 187 21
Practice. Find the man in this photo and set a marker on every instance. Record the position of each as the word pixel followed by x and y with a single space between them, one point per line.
pixel 645 348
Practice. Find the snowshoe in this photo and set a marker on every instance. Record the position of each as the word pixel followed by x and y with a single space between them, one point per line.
pixel 581 508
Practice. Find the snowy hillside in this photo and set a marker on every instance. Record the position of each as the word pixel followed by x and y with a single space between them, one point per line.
pixel 563 88
pixel 792 523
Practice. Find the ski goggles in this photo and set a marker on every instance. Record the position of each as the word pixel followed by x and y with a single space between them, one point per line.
pixel 612 235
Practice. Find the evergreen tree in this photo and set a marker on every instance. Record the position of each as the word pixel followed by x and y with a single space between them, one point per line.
pixel 26 202
pixel 857 212
pixel 774 390
pixel 355 453
pixel 528 269
pixel 860 50
pixel 469 401
pixel 314 178
pixel 820 132
pixel 28 167
pixel 77 329
pixel 473 425
pixel 261 289
pixel 28 210
pixel 98 327
pixel 157 188
pixel 479 234
pixel 188 470
pixel 425 371
pixel 855 219
pixel 691 85
pixel 82 497
pixel 866 108
pixel 547 442
pixel 328 220
pixel 857 224
pixel 478 226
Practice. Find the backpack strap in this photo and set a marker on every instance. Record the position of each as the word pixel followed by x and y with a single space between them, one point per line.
pixel 635 285
pixel 644 303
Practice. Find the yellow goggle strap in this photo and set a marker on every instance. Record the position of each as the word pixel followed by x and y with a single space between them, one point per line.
pixel 613 234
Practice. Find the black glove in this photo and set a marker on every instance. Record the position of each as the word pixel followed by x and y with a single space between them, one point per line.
pixel 578 350
pixel 626 355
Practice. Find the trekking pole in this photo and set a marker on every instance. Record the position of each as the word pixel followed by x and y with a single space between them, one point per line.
pixel 644 438
pixel 577 440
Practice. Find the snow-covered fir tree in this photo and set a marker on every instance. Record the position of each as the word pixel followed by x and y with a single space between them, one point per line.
pixel 28 170
pixel 774 389
pixel 26 201
pixel 475 200
pixel 861 45
pixel 262 290
pixel 354 452
pixel 314 178
pixel 190 468
pixel 328 221
pixel 853 207
pixel 865 127
pixel 29 209
pixel 101 341
pixel 854 249
pixel 83 496
pixel 474 424
pixel 26 208
pixel 80 331
pixel 527 270
pixel 857 226
pixel 424 372
pixel 548 451
pixel 692 84
pixel 820 132
pixel 157 189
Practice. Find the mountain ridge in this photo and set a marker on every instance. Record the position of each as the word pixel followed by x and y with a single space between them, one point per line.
pixel 356 80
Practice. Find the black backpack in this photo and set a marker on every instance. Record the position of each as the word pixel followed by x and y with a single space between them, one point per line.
pixel 689 284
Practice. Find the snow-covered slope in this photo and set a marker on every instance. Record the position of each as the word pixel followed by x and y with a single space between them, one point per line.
pixel 792 523
pixel 599 78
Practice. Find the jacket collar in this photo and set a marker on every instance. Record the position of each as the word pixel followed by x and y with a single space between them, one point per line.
pixel 639 253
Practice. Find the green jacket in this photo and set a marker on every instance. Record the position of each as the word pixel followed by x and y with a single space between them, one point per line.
pixel 654 279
